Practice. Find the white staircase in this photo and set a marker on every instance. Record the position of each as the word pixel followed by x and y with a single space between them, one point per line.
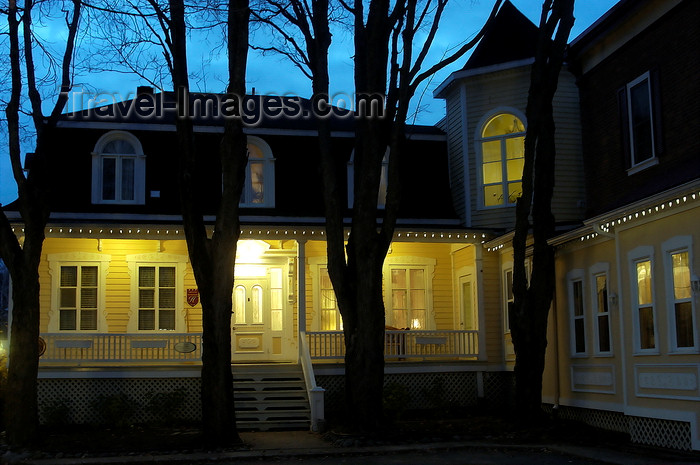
pixel 270 397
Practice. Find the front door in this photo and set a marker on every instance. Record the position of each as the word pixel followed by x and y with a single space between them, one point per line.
pixel 259 317
pixel 251 315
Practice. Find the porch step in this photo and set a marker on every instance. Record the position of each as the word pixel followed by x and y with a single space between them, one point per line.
pixel 270 396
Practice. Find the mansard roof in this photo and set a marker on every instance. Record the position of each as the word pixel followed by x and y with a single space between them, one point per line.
pixel 271 112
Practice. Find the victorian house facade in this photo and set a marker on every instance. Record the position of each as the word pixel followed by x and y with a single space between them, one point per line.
pixel 120 310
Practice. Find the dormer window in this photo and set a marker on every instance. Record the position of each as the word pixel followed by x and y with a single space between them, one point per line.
pixel 259 189
pixel 501 143
pixel 383 181
pixel 118 170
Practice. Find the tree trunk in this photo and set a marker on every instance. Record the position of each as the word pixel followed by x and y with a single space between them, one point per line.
pixel 530 310
pixel 364 337
pixel 21 410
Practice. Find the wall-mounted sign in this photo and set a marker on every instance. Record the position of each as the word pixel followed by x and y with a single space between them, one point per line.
pixel 192 297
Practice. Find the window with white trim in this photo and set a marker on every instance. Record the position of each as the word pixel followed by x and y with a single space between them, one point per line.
pixel 601 312
pixel 577 312
pixel 409 292
pixel 259 188
pixel 641 121
pixel 508 297
pixel 681 305
pixel 157 290
pixel 78 296
pixel 501 146
pixel 118 170
pixel 642 302
pixel 331 319
pixel 383 180
pixel 77 306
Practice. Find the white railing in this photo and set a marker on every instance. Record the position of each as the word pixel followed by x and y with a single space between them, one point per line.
pixel 315 392
pixel 399 345
pixel 157 347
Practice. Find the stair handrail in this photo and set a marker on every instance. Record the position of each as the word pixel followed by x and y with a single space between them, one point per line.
pixel 315 392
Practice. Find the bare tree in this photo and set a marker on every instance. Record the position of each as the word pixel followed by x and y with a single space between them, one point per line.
pixel 528 314
pixel 151 26
pixel 213 258
pixel 22 252
pixel 387 74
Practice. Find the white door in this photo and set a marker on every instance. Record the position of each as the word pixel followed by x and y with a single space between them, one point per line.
pixel 469 317
pixel 258 318
pixel 251 319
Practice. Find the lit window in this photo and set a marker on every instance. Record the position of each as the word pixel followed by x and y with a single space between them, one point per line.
pixel 408 306
pixel 156 298
pixel 645 305
pixel 682 318
pixel 118 170
pixel 502 148
pixel 156 282
pixel 78 298
pixel 330 315
pixel 682 300
pixel 78 291
pixel 259 188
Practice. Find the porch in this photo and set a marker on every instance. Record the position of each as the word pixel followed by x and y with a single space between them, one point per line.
pixel 186 348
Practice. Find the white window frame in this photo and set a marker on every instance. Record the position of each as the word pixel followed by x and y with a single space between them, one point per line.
pixel 653 160
pixel 383 180
pixel 600 269
pixel 139 170
pixel 134 262
pixel 268 162
pixel 478 140
pixel 675 245
pixel 56 261
pixel 506 268
pixel 573 277
pixel 634 256
pixel 316 264
pixel 410 262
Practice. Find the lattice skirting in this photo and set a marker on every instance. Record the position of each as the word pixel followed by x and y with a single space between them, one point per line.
pixel 642 430
pixel 79 396
pixel 425 390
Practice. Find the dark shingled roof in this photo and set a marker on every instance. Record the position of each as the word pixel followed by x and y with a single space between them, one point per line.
pixel 511 37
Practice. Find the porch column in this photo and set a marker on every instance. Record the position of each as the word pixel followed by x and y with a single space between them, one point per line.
pixel 301 285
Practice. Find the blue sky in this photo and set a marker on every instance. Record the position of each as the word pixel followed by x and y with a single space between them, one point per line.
pixel 273 75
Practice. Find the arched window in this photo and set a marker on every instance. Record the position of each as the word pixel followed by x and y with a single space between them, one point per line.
pixel 383 180
pixel 501 143
pixel 259 189
pixel 118 170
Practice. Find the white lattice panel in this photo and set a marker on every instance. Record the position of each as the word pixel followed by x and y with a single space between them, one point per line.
pixel 458 389
pixel 80 394
pixel 651 431
pixel 662 433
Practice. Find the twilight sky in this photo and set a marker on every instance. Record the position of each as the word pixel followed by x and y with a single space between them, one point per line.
pixel 273 75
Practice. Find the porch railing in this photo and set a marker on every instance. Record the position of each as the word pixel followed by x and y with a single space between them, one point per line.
pixel 399 345
pixel 160 347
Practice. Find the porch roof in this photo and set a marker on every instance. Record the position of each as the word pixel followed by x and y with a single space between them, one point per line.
pixel 445 231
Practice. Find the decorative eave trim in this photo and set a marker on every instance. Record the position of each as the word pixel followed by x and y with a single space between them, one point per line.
pixel 258 231
pixel 604 225
pixel 652 205
pixel 439 92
